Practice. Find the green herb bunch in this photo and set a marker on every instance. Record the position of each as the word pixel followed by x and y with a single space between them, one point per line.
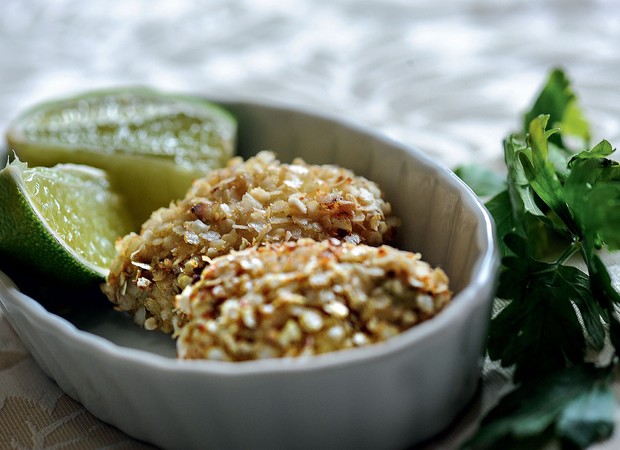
pixel 556 212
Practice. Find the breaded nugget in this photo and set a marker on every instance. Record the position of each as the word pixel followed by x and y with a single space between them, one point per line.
pixel 305 297
pixel 245 204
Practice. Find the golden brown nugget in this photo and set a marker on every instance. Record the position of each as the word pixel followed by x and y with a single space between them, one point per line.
pixel 245 204
pixel 305 297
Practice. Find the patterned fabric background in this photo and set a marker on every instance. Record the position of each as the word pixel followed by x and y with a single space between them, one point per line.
pixel 449 77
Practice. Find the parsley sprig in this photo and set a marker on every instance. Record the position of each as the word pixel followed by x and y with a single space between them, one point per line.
pixel 557 209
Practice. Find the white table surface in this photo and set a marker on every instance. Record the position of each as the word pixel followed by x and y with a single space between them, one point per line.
pixel 450 77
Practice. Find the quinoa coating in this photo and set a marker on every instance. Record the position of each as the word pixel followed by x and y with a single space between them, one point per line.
pixel 305 297
pixel 245 204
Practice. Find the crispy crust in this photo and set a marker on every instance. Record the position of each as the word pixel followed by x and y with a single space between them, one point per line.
pixel 305 297
pixel 247 203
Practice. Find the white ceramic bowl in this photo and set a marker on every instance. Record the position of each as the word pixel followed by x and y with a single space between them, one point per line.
pixel 389 395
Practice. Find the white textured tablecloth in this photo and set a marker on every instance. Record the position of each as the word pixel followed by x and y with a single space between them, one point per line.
pixel 450 77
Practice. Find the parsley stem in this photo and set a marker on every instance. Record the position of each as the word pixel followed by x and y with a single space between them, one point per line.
pixel 553 267
pixel 570 251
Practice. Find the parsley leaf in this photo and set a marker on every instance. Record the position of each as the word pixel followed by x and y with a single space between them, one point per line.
pixel 593 195
pixel 531 216
pixel 539 330
pixel 602 150
pixel 558 100
pixel 500 208
pixel 483 181
pixel 540 172
pixel 574 405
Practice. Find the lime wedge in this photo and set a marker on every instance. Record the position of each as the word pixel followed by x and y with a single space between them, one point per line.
pixel 62 220
pixel 153 144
